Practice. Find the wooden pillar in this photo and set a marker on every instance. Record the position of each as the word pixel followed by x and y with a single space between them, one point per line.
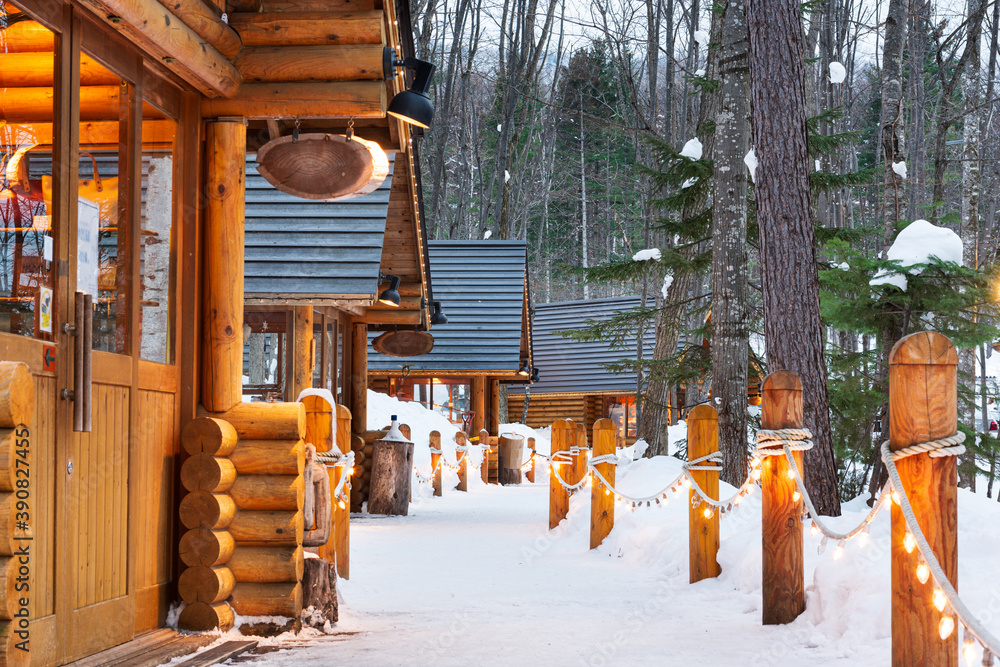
pixel 922 407
pixel 530 473
pixel 494 410
pixel 461 440
pixel 338 548
pixel 484 469
pixel 359 377
pixel 703 531
pixel 478 403
pixel 435 442
pixel 303 351
pixel 580 468
pixel 563 437
pixel 222 332
pixel 602 498
pixel 783 574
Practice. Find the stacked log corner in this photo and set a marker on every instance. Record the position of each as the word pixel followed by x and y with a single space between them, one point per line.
pixel 923 406
pixel 243 514
pixel 17 411
pixel 783 583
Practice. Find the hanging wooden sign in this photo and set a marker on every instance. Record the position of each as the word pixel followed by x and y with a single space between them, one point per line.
pixel 404 343
pixel 322 166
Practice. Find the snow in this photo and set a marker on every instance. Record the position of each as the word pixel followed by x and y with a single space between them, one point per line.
pixel 701 37
pixel 915 245
pixel 668 280
pixel 477 579
pixel 688 183
pixel 899 168
pixel 817 165
pixel 700 72
pixel 751 162
pixel 506 175
pixel 499 127
pixel 844 266
pixel 837 72
pixel 488 233
pixel 692 149
pixel 646 255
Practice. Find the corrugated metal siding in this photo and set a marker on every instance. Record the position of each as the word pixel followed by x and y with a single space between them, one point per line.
pixel 480 285
pixel 301 246
pixel 566 365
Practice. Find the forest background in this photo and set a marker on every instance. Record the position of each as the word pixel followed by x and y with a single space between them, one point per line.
pixel 595 131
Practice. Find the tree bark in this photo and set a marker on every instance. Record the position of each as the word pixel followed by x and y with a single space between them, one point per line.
pixel 730 312
pixel 790 281
pixel 892 123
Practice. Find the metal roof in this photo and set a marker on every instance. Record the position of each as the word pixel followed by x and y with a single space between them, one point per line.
pixel 481 287
pixel 566 365
pixel 298 248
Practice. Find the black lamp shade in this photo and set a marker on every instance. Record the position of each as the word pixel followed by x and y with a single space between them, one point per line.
pixel 413 108
pixel 534 375
pixel 390 297
pixel 438 317
pixel 524 369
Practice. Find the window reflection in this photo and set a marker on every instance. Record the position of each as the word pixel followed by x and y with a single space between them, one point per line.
pixel 155 245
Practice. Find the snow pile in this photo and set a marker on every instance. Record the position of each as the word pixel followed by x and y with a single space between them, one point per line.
pixel 700 72
pixel 646 255
pixel 688 183
pixel 692 149
pixel 916 245
pixel 701 37
pixel 837 72
pixel 900 168
pixel 750 160
pixel 421 421
pixel 487 234
pixel 668 280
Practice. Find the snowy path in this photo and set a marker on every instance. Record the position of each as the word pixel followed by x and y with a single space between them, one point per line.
pixel 476 579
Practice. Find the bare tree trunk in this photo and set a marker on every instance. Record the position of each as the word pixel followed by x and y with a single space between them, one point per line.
pixel 730 311
pixel 792 327
pixel 584 231
pixel 892 123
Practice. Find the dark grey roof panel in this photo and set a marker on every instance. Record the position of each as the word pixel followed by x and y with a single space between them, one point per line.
pixel 566 365
pixel 302 246
pixel 480 285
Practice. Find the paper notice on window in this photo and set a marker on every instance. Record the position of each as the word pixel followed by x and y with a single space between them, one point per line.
pixel 47 248
pixel 45 309
pixel 87 231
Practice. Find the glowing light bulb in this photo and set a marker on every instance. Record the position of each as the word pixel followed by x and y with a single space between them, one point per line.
pixel 750 489
pixel 923 573
pixel 895 497
pixel 909 543
pixel 946 627
pixel 969 651
pixel 350 471
pixel 708 512
pixel 677 493
pixel 756 473
pixel 687 483
pixel 814 530
pixel 838 552
pixel 343 505
pixel 791 474
pixel 863 538
pixel 607 492
pixel 939 599
pixel 796 497
pixel 738 499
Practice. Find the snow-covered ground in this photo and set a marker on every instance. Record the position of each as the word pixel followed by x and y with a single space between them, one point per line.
pixel 477 579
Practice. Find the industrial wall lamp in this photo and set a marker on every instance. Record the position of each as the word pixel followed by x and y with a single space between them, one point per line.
pixel 389 297
pixel 438 317
pixel 411 106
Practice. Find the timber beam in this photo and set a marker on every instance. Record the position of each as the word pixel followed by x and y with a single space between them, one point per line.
pixel 265 64
pixel 179 48
pixel 309 28
pixel 358 99
pixel 205 20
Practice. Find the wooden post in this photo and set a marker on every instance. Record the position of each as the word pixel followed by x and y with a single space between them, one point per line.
pixel 435 439
pixel 923 406
pixel 530 472
pixel 359 377
pixel 494 409
pixel 563 437
pixel 580 468
pixel 392 469
pixel 783 574
pixel 478 403
pixel 602 499
pixel 703 531
pixel 484 469
pixel 338 549
pixel 461 440
pixel 302 351
pixel 222 333
pixel 510 457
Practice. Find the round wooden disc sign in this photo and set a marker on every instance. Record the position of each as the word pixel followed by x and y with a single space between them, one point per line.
pixel 404 343
pixel 318 166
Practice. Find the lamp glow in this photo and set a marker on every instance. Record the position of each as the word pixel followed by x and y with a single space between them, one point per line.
pixel 946 627
pixel 939 599
pixel 923 573
pixel 909 543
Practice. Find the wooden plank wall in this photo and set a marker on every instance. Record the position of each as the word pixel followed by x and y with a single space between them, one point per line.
pixel 43 449
pixel 99 508
pixel 152 490
pixel 399 256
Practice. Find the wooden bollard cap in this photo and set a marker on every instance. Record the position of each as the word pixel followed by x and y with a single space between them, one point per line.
pixel 704 412
pixel 926 348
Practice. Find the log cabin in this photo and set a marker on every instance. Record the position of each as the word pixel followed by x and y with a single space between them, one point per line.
pixel 572 381
pixel 126 126
pixel 482 286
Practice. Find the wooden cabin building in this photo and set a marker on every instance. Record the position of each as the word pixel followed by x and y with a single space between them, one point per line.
pixel 483 289
pixel 126 127
pixel 573 383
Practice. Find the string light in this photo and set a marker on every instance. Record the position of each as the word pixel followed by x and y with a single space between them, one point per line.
pixel 796 497
pixel 814 530
pixel 756 474
pixel 791 474
pixel 939 599
pixel 946 627
pixel 895 497
pixel 909 543
pixel 708 512
pixel 969 650
pixel 863 537
pixel 923 573
pixel 838 553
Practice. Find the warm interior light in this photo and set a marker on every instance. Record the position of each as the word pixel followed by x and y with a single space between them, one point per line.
pixel 814 529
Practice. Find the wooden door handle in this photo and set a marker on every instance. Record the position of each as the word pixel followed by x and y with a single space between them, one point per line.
pixel 83 353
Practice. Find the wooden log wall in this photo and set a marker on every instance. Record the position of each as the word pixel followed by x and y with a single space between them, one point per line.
pixel 243 514
pixel 544 409
pixel 17 409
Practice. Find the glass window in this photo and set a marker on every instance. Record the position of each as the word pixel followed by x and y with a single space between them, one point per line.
pixel 264 354
pixel 156 224
pixel 27 237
